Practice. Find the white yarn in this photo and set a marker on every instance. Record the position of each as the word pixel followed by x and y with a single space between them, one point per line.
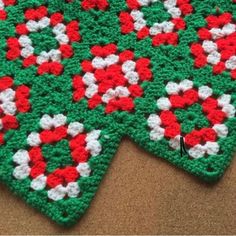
pixel 21 157
pixel 91 90
pixel 128 66
pixel 163 103
pixel 33 139
pixel 59 29
pixel 221 130
pixel 57 193
pixel 75 128
pixel 89 78
pixel 99 63
pixel 39 183
pixel 44 22
pixel 83 169
pixel 185 85
pixel 175 142
pixel 224 100
pixel 214 57
pixel 204 92
pixel 153 121
pixel 62 39
pixel 9 108
pixel 111 59
pixel 59 120
pixel 157 133
pixel 197 151
pixel 229 110
pixel 209 46
pixel 21 172
pixel 132 77
pixel 212 148
pixel 172 88
pixel 7 95
pixel 72 189
pixel 2 5
pixel 46 122
pixel 231 63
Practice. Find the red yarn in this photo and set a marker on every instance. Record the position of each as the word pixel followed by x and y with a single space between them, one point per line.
pixel 80 154
pixel 168 118
pixel 209 105
pixel 55 68
pixel 90 4
pixel 13 54
pixel 9 122
pixel 179 23
pixel 66 50
pixel 197 49
pixel 177 101
pixel 70 174
pixel 54 179
pixel 233 74
pixel 13 43
pixel 59 133
pixel 35 154
pixel 204 34
pixel 132 4
pixel 172 130
pixel 94 101
pixel 23 105
pixel 143 33
pixel 190 97
pixel 200 61
pixel 47 136
pixel 208 134
pixel 87 66
pixel 21 29
pixel 78 141
pixel 219 68
pixel 193 138
pixel 136 90
pixel 213 21
pixel 225 18
pixel 56 18
pixel 29 61
pixel 5 82
pixel 216 117
pixel 37 169
pixel 9 2
pixel 127 24
pixel 186 9
pixel 3 15
pixel 127 55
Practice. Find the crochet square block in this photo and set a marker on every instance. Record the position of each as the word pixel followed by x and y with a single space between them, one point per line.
pixel 78 75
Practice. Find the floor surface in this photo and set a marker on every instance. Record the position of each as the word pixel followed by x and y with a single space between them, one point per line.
pixel 140 194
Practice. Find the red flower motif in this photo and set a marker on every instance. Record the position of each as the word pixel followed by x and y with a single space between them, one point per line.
pixel 217 44
pixel 111 78
pixel 62 182
pixel 90 4
pixel 14 100
pixel 3 5
pixel 161 33
pixel 199 141
pixel 23 48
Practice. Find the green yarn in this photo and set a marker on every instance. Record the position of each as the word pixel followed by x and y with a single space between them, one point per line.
pixel 51 94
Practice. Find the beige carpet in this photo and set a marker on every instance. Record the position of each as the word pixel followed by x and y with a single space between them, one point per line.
pixel 140 194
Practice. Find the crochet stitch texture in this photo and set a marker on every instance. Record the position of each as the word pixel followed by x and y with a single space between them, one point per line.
pixel 77 76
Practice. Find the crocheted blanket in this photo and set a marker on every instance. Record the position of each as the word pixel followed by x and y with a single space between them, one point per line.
pixel 77 76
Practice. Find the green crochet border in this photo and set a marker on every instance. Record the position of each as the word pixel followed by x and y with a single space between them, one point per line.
pixel 53 95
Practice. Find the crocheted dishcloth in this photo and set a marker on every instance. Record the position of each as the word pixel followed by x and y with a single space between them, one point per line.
pixel 76 76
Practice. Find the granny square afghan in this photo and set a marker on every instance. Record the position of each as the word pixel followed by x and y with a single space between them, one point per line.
pixel 78 75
